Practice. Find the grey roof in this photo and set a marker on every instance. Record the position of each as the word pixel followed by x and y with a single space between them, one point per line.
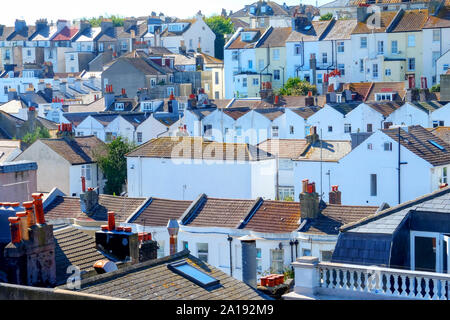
pixel 153 280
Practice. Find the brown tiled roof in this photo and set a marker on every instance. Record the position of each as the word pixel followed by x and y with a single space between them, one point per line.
pixel 275 217
pixel 442 20
pixel 341 30
pixel 314 34
pixel 73 247
pixel 392 86
pixel 361 88
pixel 153 280
pixel 270 113
pixel 411 20
pixel 221 103
pixel 238 23
pixel 238 43
pixel 305 112
pixel 226 213
pixel 442 133
pixel 276 38
pixel 237 112
pixel 69 208
pixel 66 34
pixel 79 150
pixel 326 150
pixel 198 148
pixel 334 216
pixel 385 108
pixel 385 20
pixel 160 211
pixel 284 148
pixel 417 140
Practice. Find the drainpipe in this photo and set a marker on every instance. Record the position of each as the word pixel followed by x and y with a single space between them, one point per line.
pixel 300 67
pixel 399 163
pixel 230 239
pixel 296 248
pixel 291 243
pixel 266 67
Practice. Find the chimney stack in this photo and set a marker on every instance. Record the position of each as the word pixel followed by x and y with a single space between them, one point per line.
pixel 109 95
pixel 313 66
pixel 15 229
pixel 334 195
pixel 89 201
pixel 309 99
pixel 173 228
pixel 31 217
pixel 38 207
pixel 309 201
pixel 248 244
pixel 313 136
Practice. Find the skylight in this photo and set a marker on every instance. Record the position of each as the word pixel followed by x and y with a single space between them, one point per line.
pixel 193 274
pixel 437 145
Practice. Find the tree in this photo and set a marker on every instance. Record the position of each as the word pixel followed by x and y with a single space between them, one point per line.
pixel 96 21
pixel 436 88
pixel 297 87
pixel 325 17
pixel 220 26
pixel 113 164
pixel 38 133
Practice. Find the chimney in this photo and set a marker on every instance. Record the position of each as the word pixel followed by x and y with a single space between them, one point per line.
pixel 84 25
pixel 23 225
pixel 31 216
pixel 313 136
pixel 334 195
pixel 15 229
pixel 105 25
pixel 41 24
pixel 309 99
pixel 313 66
pixel 41 85
pixel 89 201
pixel 19 25
pixel 109 95
pixel 173 228
pixel 65 131
pixel 124 93
pixel 78 84
pixel 248 244
pixel 192 101
pixel 361 13
pixel 12 94
pixel 309 201
pixel 38 207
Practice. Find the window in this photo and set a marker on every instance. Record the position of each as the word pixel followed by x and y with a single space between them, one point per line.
pixel 193 274
pixel 258 260
pixel 120 106
pixel 147 106
pixel 369 127
pixel 438 123
pixel 411 41
pixel 275 131
pixel 29 53
pixel 216 95
pixel 291 129
pixel 276 264
pixel 375 70
pixel 388 146
pixel 153 82
pixel 319 78
pixel 373 185
pixel 185 245
pixel 340 46
pixel 383 96
pixel 72 57
pixel 387 72
pixel 202 251
pixel 297 49
pixel 361 65
pixel 170 90
pixel 244 82
pixel 160 252
pixel 255 81
pixel 100 47
pixel 326 255
pixel 444 175
pixel 445 67
pixel 86 171
pixel 411 64
pixel 7 54
pixel 285 193
pixel 324 58
pixel 347 128
pixel 261 64
pixel 363 43
pixel 207 129
pixel 380 47
pixel 341 68
pixel 306 252
pixel 234 55
pixel 394 46
pixel 250 64
pixel 123 45
pixel 330 128
pixel 139 137
pixel 276 74
pixel 238 131
pixel 216 78
pixel 436 35
pixel 369 146
pixel 435 55
pixel 276 54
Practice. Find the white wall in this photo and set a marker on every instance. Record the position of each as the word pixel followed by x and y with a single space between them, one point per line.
pixel 409 115
pixel 363 115
pixel 328 116
pixel 442 114
pixel 151 128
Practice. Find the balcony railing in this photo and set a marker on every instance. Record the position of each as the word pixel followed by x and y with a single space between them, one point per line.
pixel 348 281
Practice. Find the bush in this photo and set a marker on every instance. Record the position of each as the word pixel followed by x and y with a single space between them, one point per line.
pixel 297 87
pixel 38 133
pixel 327 16
pixel 436 88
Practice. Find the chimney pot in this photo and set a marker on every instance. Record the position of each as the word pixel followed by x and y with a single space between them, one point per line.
pixel 40 219
pixel 111 221
pixel 23 225
pixel 31 217
pixel 15 229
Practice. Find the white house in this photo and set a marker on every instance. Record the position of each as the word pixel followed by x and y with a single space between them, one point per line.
pixel 184 167
pixel 441 116
pixel 62 162
pixel 370 173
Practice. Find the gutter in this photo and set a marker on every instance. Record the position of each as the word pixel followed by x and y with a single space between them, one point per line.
pixel 187 216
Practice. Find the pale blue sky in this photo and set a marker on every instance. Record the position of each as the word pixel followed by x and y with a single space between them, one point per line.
pixel 31 10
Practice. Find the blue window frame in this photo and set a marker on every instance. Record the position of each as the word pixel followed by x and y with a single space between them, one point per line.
pixel 191 273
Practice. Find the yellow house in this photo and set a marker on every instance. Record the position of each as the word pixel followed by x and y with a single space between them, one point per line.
pixel 270 54
pixel 404 50
pixel 213 77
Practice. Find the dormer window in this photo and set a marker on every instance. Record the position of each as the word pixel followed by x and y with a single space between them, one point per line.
pixel 252 10
pixel 120 106
pixel 384 96
pixel 147 106
pixel 264 9
pixel 246 36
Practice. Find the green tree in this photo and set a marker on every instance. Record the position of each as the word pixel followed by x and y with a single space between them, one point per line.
pixel 327 16
pixel 436 88
pixel 38 133
pixel 297 87
pixel 113 163
pixel 220 26
pixel 96 21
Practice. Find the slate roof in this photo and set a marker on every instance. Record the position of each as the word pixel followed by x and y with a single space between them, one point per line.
pixel 158 212
pixel 214 212
pixel 74 247
pixel 385 108
pixel 277 10
pixel 305 112
pixel 22 35
pixel 271 113
pixel 343 108
pixel 153 280
pixel 326 150
pixel 284 148
pixel 275 217
pixel 141 65
pixel 77 118
pixel 315 33
pixel 50 125
pixel 236 112
pixel 441 20
pixel 69 208
pixel 198 148
pixel 276 38
pixel 238 43
pixel 427 106
pixel 79 150
pixel 417 140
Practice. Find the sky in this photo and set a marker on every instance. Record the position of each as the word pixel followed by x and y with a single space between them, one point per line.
pixel 31 10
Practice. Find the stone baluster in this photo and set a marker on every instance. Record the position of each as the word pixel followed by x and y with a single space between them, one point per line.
pixel 404 287
pixel 435 289
pixel 443 283
pixel 344 279
pixel 352 281
pixel 419 287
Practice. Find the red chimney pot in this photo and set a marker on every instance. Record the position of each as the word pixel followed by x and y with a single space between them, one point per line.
pixel 15 229
pixel 111 221
pixel 39 208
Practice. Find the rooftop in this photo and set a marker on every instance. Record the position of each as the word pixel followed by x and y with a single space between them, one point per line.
pixel 326 150
pixel 284 148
